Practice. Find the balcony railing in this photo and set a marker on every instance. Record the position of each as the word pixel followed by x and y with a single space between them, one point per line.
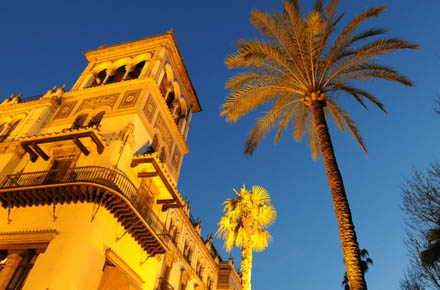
pixel 113 179
pixel 164 285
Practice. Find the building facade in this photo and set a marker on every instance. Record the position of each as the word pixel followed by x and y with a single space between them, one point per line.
pixel 89 179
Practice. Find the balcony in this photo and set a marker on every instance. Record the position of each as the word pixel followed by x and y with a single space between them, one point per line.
pixel 149 166
pixel 106 187
pixel 32 144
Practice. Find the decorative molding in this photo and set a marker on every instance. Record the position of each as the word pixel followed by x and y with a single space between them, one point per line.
pixel 129 99
pixel 150 108
pixel 164 131
pixel 95 102
pixel 38 240
pixel 65 110
pixel 170 258
pixel 175 160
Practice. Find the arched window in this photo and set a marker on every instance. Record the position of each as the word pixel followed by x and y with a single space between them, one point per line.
pixel 210 283
pixel 175 235
pixel 163 155
pixel 117 76
pixel 155 144
pixel 135 73
pixel 170 99
pixel 79 121
pixel 99 79
pixel 96 120
pixel 176 111
pixel 199 268
pixel 173 231
pixel 187 252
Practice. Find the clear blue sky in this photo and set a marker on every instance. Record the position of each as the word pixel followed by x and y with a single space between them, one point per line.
pixel 41 45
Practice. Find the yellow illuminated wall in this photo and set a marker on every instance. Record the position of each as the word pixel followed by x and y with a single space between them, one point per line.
pixel 89 179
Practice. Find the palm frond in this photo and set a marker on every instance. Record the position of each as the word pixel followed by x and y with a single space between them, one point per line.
pixel 296 60
pixel 314 141
pixel 339 113
pixel 358 94
pixel 266 123
pixel 246 218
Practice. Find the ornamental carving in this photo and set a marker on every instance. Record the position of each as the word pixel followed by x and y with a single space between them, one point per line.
pixel 65 110
pixel 95 102
pixel 170 259
pixel 150 109
pixel 164 131
pixel 175 161
pixel 129 99
pixel 186 276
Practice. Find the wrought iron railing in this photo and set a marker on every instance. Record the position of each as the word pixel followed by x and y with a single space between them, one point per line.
pixel 164 285
pixel 116 180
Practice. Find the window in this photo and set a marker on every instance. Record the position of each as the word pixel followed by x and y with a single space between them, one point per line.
pixel 187 252
pixel 27 262
pixel 163 155
pixel 135 73
pixel 99 78
pixel 174 235
pixel 155 144
pixel 117 76
pixel 210 283
pixel 18 253
pixel 96 120
pixel 169 99
pixel 79 121
pixel 176 111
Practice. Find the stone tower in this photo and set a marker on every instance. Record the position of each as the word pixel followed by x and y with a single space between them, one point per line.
pixel 89 177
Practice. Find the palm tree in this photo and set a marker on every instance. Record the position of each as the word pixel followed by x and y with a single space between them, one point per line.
pixel 300 69
pixel 431 255
pixel 243 225
pixel 365 262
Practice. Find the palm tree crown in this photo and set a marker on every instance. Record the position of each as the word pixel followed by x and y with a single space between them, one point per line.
pixel 244 223
pixel 296 65
pixel 252 209
pixel 300 68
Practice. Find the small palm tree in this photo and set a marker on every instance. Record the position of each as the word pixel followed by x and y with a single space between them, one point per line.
pixel 431 255
pixel 365 262
pixel 301 70
pixel 243 225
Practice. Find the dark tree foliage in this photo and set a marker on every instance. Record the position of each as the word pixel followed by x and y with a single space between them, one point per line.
pixel 437 105
pixel 421 203
pixel 411 281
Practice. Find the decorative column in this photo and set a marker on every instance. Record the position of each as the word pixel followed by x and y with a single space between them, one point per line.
pixel 108 73
pixel 128 69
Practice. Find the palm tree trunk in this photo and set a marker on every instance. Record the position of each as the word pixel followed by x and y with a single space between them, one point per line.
pixel 246 266
pixel 347 233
